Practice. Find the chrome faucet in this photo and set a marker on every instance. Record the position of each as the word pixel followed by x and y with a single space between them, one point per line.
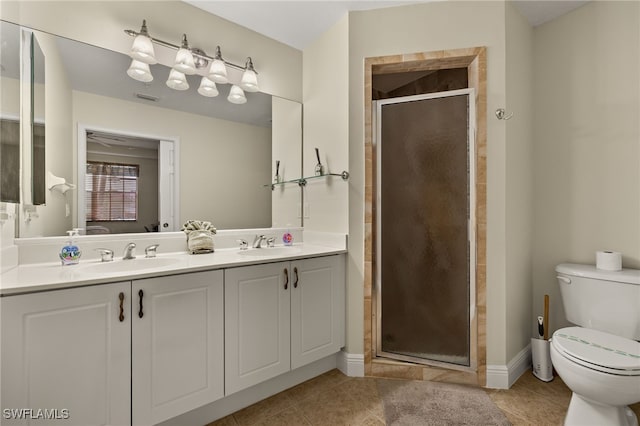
pixel 257 242
pixel 128 251
pixel 105 254
pixel 151 251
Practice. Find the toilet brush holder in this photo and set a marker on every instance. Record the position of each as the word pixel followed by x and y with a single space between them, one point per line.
pixel 541 359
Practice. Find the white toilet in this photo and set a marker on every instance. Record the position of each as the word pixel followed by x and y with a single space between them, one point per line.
pixel 599 360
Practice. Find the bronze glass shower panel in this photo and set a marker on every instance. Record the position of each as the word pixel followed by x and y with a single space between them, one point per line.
pixel 424 242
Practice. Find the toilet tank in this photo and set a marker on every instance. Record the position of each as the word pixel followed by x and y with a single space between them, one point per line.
pixel 602 300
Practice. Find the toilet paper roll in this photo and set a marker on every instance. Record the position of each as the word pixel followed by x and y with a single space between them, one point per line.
pixel 609 260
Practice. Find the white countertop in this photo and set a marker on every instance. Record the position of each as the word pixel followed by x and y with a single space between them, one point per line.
pixel 50 276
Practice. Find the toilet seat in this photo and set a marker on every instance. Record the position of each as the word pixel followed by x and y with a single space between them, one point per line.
pixel 598 350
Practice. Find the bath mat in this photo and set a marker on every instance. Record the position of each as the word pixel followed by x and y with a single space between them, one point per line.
pixel 417 403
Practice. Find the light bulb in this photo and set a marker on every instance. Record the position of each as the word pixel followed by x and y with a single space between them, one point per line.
pixel 140 71
pixel 142 48
pixel 218 69
pixel 249 80
pixel 177 80
pixel 208 88
pixel 236 95
pixel 184 59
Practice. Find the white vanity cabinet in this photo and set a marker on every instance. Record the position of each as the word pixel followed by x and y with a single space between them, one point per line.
pixel 317 308
pixel 70 351
pixel 155 355
pixel 177 344
pixel 281 316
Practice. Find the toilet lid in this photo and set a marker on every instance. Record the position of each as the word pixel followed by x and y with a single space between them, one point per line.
pixel 599 350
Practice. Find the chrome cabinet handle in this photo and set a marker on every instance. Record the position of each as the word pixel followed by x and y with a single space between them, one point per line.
pixel 295 283
pixel 286 278
pixel 121 297
pixel 140 313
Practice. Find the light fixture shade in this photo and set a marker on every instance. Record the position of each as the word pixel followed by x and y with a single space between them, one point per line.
pixel 208 88
pixel 177 80
pixel 184 62
pixel 249 81
pixel 236 95
pixel 218 72
pixel 142 47
pixel 142 50
pixel 140 71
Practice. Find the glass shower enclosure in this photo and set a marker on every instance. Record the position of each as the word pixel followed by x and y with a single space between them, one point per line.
pixel 425 232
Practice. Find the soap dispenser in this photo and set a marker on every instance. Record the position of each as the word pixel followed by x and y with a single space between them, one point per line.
pixel 70 253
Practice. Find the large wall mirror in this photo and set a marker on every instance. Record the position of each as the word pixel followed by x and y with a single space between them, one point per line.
pixel 141 157
pixel 10 129
pixel 22 121
pixel 38 122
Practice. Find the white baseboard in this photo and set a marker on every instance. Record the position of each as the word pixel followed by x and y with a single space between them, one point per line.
pixel 503 376
pixel 351 365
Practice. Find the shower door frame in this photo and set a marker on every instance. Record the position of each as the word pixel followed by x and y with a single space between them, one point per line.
pixel 471 226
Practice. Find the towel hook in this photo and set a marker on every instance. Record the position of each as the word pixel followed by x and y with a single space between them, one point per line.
pixel 501 113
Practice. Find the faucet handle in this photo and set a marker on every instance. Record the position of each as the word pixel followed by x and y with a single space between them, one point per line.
pixel 257 241
pixel 271 242
pixel 244 245
pixel 151 250
pixel 128 251
pixel 105 254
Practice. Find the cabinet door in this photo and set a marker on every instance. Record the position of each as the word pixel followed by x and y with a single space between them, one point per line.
pixel 68 350
pixel 177 335
pixel 256 324
pixel 317 309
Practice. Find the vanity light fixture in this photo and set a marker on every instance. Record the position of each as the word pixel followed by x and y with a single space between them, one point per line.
pixel 249 80
pixel 184 59
pixel 177 80
pixel 142 48
pixel 218 69
pixel 190 60
pixel 208 88
pixel 139 70
pixel 236 95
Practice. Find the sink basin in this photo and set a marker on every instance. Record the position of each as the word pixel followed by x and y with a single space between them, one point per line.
pixel 276 251
pixel 132 265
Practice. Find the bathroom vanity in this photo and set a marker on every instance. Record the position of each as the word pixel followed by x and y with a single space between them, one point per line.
pixel 167 339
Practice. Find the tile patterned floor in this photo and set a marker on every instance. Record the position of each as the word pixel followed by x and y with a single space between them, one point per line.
pixel 335 399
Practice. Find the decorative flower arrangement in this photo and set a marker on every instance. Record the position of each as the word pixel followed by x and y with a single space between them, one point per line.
pixel 199 236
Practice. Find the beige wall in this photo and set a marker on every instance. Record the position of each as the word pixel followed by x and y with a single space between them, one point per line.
pixel 223 164
pixel 419 28
pixel 519 183
pixel 326 127
pixel 587 141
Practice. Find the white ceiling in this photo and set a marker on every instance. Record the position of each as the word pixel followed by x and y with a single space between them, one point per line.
pixel 298 23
